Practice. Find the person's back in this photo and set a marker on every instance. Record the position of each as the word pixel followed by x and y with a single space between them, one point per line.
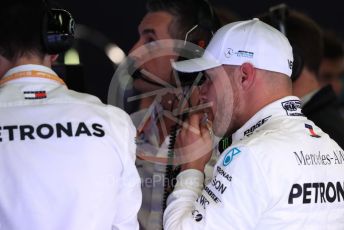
pixel 281 172
pixel 66 159
pixel 290 165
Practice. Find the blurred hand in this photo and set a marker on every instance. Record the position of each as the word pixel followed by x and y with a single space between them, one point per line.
pixel 194 143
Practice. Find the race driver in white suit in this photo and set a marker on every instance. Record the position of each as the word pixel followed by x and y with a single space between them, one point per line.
pixel 281 171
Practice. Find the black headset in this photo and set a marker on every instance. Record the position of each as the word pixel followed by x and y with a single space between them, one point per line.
pixel 278 15
pixel 57 29
pixel 206 21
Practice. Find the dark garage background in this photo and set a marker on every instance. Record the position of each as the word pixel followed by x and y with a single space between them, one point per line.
pixel 116 21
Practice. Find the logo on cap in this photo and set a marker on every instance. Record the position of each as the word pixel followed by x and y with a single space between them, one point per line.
pixel 229 52
pixel 290 63
pixel 245 54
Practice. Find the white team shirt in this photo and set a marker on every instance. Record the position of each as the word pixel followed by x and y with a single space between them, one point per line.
pixel 281 172
pixel 66 159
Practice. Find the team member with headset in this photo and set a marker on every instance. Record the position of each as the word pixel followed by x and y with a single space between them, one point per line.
pixel 281 171
pixel 165 22
pixel 66 159
pixel 319 102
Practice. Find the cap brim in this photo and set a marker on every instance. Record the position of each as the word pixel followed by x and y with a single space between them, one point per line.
pixel 195 65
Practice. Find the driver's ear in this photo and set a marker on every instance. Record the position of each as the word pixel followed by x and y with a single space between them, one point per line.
pixel 247 76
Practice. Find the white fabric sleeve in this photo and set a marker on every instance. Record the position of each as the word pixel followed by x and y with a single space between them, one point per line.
pixel 181 201
pixel 235 198
pixel 129 195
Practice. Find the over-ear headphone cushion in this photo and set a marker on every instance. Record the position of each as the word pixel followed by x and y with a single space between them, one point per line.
pixel 57 30
pixel 297 64
pixel 206 21
pixel 206 16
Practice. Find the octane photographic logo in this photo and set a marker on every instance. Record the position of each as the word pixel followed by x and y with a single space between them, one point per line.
pixel 159 99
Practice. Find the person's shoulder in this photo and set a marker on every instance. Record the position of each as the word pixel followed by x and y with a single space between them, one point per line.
pixel 286 136
pixel 275 149
pixel 82 98
pixel 269 142
pixel 275 134
pixel 86 98
pixel 94 103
